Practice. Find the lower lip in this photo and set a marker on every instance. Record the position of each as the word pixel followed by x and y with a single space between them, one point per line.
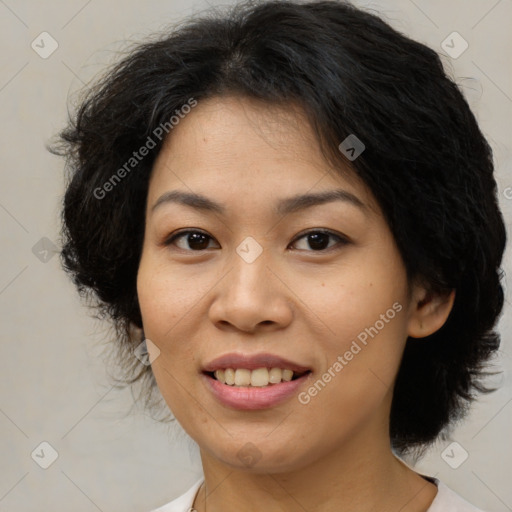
pixel 252 398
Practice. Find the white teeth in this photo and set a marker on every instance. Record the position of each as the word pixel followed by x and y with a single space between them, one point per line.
pixel 242 377
pixel 260 377
pixel 287 375
pixel 229 376
pixel 275 375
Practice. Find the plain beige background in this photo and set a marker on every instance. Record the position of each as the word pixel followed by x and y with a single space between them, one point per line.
pixel 53 380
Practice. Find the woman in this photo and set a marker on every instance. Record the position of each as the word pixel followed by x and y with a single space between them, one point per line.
pixel 291 207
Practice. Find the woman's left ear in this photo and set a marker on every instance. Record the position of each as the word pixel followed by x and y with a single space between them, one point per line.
pixel 429 311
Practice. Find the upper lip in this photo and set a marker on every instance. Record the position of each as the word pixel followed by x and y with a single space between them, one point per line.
pixel 252 362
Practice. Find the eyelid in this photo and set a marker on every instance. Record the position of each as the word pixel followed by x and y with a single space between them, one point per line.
pixel 342 239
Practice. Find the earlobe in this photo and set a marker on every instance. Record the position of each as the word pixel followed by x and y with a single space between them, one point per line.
pixel 429 312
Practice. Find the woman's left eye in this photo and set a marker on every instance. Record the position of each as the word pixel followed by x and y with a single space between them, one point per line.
pixel 318 240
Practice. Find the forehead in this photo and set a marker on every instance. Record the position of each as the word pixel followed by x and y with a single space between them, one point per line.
pixel 234 143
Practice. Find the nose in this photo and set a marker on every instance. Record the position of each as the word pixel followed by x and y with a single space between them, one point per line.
pixel 252 296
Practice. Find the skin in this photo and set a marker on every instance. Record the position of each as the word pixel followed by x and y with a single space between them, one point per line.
pixel 303 304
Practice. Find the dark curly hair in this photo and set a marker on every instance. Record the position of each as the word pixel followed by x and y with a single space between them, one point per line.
pixel 426 162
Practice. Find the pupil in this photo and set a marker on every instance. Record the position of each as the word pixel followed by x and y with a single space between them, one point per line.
pixel 195 237
pixel 318 240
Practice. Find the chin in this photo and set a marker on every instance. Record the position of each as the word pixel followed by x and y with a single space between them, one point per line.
pixel 263 456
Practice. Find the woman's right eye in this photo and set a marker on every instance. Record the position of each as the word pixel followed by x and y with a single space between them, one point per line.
pixel 196 240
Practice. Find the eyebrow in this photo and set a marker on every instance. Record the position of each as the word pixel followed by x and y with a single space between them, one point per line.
pixel 283 207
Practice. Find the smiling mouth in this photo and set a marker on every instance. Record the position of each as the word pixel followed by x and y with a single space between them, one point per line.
pixel 260 377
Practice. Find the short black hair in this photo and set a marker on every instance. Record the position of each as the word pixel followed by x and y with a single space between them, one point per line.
pixel 425 160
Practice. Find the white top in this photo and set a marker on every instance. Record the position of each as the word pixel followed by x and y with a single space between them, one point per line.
pixel 445 500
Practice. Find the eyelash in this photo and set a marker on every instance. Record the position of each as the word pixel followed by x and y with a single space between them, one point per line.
pixel 341 239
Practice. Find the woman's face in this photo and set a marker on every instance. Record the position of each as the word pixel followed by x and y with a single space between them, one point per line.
pixel 250 281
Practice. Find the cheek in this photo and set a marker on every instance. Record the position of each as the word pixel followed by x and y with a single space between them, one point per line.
pixel 164 304
pixel 357 375
pixel 362 311
pixel 164 297
pixel 352 299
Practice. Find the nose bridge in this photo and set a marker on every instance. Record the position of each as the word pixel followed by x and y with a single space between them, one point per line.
pixel 249 267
